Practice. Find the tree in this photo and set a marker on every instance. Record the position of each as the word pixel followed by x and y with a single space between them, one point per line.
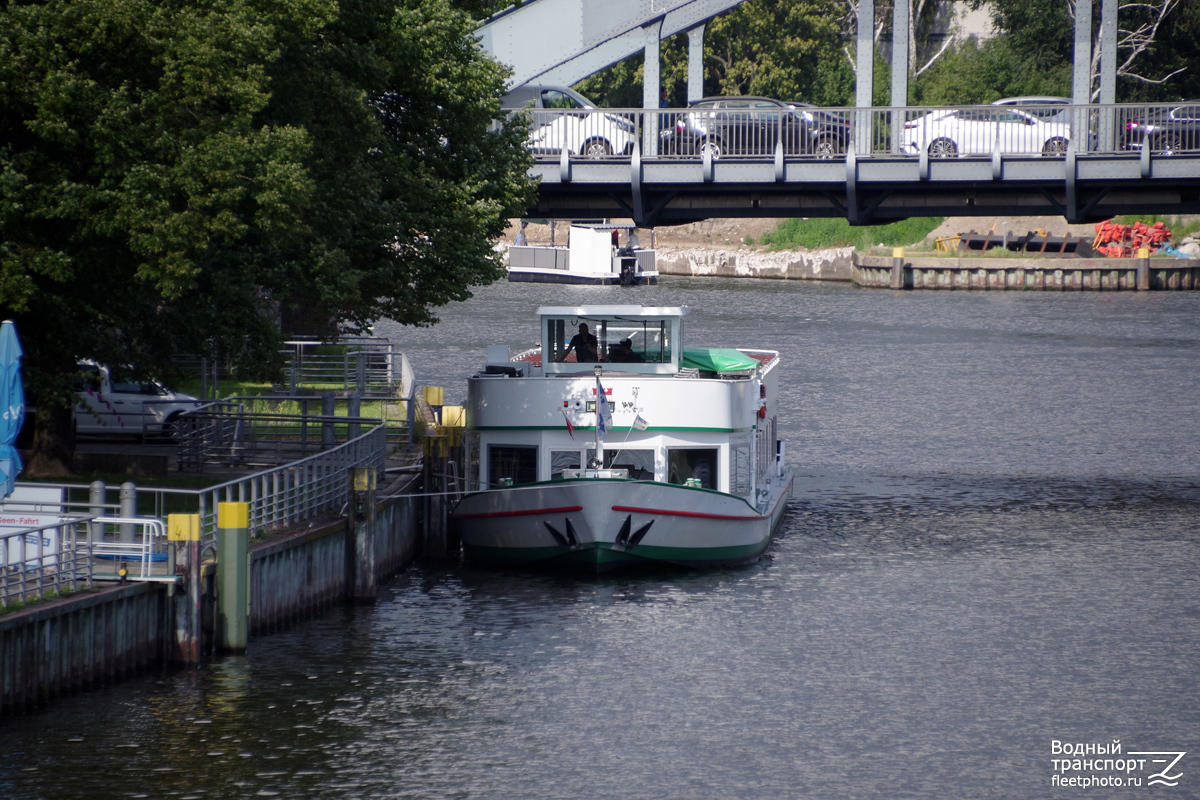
pixel 1043 31
pixel 783 50
pixel 173 170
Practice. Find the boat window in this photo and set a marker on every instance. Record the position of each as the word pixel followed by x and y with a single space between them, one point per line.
pixel 739 469
pixel 650 339
pixel 692 464
pixel 511 464
pixel 640 463
pixel 563 459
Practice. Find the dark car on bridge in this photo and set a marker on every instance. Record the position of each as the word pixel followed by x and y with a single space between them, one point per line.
pixel 1168 130
pixel 751 126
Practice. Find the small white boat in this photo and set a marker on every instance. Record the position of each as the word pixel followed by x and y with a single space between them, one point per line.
pixel 656 455
pixel 590 258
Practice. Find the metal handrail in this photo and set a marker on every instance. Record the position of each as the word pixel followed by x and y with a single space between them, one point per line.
pixel 278 496
pixel 45 559
pixel 679 134
pixel 142 546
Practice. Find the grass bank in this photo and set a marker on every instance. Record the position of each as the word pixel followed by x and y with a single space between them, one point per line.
pixel 818 234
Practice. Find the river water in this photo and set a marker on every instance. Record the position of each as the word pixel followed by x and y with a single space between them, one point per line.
pixel 993 549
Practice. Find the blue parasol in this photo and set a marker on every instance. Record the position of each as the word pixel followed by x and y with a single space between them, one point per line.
pixel 12 406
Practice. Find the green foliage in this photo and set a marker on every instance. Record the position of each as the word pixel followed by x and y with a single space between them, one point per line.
pixel 818 233
pixel 971 74
pixel 174 173
pixel 790 51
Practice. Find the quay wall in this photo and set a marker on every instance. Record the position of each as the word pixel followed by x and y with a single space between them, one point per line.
pixel 930 272
pixel 834 264
pixel 1039 274
pixel 118 631
pixel 83 641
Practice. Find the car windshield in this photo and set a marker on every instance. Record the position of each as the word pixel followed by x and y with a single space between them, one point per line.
pixel 552 98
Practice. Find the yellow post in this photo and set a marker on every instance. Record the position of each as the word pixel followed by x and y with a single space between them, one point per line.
pixel 184 530
pixel 233 576
pixel 1143 269
pixel 897 267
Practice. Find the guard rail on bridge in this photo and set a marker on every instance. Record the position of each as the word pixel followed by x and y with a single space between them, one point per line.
pixel 679 165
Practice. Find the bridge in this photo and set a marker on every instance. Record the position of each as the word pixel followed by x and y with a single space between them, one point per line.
pixel 764 174
pixel 1098 171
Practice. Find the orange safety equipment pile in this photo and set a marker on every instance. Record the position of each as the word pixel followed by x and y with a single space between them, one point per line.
pixel 1123 241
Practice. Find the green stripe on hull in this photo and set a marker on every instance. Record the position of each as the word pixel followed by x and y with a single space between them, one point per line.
pixel 605 558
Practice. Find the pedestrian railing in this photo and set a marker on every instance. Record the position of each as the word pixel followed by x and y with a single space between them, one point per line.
pixel 128 539
pixel 809 132
pixel 44 561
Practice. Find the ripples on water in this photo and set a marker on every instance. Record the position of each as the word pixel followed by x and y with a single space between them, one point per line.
pixel 994 543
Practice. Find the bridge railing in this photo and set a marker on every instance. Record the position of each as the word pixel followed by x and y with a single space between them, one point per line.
pixel 806 132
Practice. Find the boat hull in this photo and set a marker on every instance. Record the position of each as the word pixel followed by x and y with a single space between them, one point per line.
pixel 581 278
pixel 597 526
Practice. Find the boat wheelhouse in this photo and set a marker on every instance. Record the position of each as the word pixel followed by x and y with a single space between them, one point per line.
pixel 634 451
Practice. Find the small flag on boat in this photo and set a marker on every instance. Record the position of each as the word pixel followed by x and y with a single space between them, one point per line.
pixel 603 412
pixel 570 427
pixel 640 423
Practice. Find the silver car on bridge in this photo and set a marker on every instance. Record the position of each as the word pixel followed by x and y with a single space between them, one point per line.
pixel 980 131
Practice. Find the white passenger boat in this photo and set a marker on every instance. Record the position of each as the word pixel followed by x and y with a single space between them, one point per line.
pixel 589 258
pixel 655 455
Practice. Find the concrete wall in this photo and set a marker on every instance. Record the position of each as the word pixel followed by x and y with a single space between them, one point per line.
pixel 118 631
pixel 835 264
pixel 1039 274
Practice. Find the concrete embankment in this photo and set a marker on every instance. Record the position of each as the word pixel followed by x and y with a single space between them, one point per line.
pixel 120 630
pixel 935 272
pixel 1021 274
pixel 834 264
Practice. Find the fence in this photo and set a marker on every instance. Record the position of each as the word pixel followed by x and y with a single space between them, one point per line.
pixel 45 560
pixel 761 128
pixel 279 496
pixel 370 366
pixel 230 433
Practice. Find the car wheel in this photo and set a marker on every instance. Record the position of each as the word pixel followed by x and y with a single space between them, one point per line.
pixel 1055 147
pixel 596 148
pixel 942 148
pixel 1168 144
pixel 711 146
pixel 827 148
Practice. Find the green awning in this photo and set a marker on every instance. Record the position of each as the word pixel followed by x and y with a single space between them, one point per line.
pixel 717 359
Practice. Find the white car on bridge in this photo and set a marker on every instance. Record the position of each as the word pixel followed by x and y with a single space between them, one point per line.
pixel 981 131
pixel 563 118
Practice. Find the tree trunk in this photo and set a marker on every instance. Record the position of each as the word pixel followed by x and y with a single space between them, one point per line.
pixel 53 449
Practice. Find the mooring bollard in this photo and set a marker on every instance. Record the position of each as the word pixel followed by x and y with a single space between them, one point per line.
pixel 1143 269
pixel 362 534
pixel 97 494
pixel 128 509
pixel 183 530
pixel 897 267
pixel 233 576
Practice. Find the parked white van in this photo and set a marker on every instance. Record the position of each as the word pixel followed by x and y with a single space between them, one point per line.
pixel 110 404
